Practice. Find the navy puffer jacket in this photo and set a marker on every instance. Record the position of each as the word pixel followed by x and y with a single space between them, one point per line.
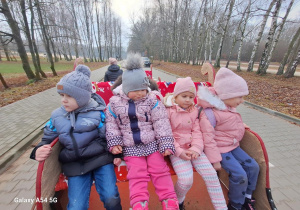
pixel 82 134
pixel 112 73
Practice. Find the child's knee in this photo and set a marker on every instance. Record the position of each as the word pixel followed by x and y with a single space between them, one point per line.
pixel 254 167
pixel 187 182
pixel 113 202
pixel 240 179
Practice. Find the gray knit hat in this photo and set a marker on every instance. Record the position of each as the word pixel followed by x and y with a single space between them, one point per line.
pixel 77 84
pixel 134 78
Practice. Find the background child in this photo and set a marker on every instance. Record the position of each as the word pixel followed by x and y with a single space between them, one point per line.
pixel 77 62
pixel 189 145
pixel 229 130
pixel 138 126
pixel 79 124
pixel 113 71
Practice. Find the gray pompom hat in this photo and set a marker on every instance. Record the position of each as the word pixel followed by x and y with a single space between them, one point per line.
pixel 77 84
pixel 134 78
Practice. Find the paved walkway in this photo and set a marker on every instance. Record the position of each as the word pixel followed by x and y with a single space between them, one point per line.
pixel 22 120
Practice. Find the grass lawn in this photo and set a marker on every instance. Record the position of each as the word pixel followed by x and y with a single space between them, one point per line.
pixel 13 67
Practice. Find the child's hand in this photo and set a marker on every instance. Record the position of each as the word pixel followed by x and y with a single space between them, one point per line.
pixel 185 155
pixel 246 126
pixel 194 154
pixel 217 166
pixel 43 152
pixel 117 161
pixel 167 152
pixel 116 149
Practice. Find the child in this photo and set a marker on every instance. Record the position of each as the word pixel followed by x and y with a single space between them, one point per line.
pixel 189 145
pixel 138 126
pixel 228 132
pixel 79 124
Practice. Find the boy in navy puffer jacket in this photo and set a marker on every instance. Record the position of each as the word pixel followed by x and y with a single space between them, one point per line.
pixel 80 125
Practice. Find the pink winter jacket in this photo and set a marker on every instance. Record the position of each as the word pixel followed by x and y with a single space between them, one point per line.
pixel 186 130
pixel 210 146
pixel 228 132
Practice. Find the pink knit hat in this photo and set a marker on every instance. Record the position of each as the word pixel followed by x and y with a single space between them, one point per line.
pixel 112 61
pixel 184 85
pixel 229 85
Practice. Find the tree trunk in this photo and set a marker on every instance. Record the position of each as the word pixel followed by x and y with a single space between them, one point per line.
pixel 291 71
pixel 5 49
pixel 46 38
pixel 3 81
pixel 218 57
pixel 247 11
pixel 27 33
pixel 259 35
pixel 287 54
pixel 278 33
pixel 17 36
pixel 174 37
pixel 37 56
pixel 263 61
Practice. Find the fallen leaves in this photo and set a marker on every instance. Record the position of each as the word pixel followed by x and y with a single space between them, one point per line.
pixel 270 91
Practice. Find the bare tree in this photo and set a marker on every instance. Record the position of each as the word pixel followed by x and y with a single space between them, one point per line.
pixel 287 54
pixel 4 45
pixel 259 35
pixel 243 28
pixel 218 57
pixel 263 61
pixel 278 33
pixel 45 37
pixel 17 37
pixel 294 62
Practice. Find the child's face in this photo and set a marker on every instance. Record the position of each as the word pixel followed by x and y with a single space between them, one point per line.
pixel 68 102
pixel 136 95
pixel 185 99
pixel 234 102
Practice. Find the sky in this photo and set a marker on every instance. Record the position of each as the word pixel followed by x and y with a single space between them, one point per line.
pixel 127 9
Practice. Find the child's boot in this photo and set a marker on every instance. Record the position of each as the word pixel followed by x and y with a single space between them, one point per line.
pixel 249 204
pixel 140 206
pixel 231 207
pixel 170 204
pixel 181 206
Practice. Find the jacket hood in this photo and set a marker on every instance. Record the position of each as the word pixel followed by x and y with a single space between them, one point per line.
pixel 113 68
pixel 208 98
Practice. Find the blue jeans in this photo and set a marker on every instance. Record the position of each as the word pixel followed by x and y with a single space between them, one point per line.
pixel 243 172
pixel 79 188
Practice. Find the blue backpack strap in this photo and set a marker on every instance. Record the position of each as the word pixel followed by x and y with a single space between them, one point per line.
pixel 102 116
pixel 112 113
pixel 155 105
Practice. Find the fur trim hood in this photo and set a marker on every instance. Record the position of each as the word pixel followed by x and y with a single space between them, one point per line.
pixel 206 97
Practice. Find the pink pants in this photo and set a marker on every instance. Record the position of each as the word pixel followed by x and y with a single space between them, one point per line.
pixel 141 169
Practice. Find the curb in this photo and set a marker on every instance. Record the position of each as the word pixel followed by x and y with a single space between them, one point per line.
pixel 15 152
pixel 274 113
